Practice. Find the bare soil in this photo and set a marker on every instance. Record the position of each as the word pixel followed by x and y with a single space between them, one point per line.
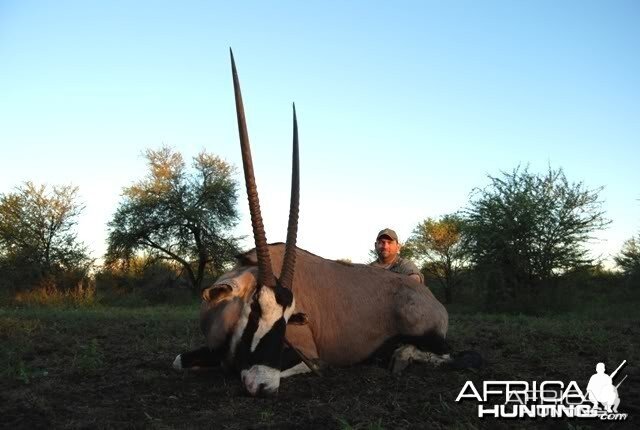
pixel 112 369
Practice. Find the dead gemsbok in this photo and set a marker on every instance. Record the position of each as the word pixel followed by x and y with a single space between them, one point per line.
pixel 283 311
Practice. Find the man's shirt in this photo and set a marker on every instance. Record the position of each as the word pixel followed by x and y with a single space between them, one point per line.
pixel 402 266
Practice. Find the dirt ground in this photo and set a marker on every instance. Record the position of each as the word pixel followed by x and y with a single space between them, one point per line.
pixel 112 369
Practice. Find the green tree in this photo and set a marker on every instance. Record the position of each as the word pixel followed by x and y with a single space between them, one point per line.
pixel 629 258
pixel 180 215
pixel 38 238
pixel 438 246
pixel 530 227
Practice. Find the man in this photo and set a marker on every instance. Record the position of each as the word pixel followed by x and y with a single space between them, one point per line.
pixel 388 251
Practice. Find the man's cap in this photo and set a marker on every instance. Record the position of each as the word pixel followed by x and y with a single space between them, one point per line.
pixel 387 232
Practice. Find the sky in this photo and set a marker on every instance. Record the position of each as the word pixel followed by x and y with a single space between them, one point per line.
pixel 403 107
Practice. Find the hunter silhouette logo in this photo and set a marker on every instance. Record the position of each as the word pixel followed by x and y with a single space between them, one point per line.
pixel 601 389
pixel 549 399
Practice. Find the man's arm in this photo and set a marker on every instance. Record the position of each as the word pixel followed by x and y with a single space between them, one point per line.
pixel 407 267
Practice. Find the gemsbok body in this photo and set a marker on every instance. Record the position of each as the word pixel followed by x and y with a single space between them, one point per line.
pixel 282 310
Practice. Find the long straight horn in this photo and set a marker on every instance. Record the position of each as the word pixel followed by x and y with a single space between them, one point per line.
pixel 289 261
pixel 265 272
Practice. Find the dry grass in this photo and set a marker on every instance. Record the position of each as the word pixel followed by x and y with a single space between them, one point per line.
pixel 49 295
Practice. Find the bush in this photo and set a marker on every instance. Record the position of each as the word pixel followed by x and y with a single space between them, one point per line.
pixel 142 281
pixel 528 229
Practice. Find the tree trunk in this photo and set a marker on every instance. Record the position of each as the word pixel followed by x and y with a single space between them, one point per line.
pixel 202 261
pixel 448 286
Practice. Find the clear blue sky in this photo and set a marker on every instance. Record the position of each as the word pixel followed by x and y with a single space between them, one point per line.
pixel 404 107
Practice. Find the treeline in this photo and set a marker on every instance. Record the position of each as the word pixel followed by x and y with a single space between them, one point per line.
pixel 169 232
pixel 520 236
pixel 521 240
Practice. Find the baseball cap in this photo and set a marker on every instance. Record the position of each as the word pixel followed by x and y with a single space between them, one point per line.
pixel 388 232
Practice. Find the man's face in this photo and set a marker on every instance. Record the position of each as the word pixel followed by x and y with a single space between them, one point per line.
pixel 387 248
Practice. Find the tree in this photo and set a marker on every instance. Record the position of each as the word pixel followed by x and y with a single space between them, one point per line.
pixel 179 215
pixel 37 234
pixel 438 245
pixel 531 227
pixel 629 258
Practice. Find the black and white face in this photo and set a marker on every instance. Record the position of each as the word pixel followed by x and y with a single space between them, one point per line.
pixel 260 333
pixel 250 323
pixel 257 341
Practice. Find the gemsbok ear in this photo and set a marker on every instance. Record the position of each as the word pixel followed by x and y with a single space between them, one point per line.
pixel 215 293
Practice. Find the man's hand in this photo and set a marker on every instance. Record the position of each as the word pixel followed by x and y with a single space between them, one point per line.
pixel 416 277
